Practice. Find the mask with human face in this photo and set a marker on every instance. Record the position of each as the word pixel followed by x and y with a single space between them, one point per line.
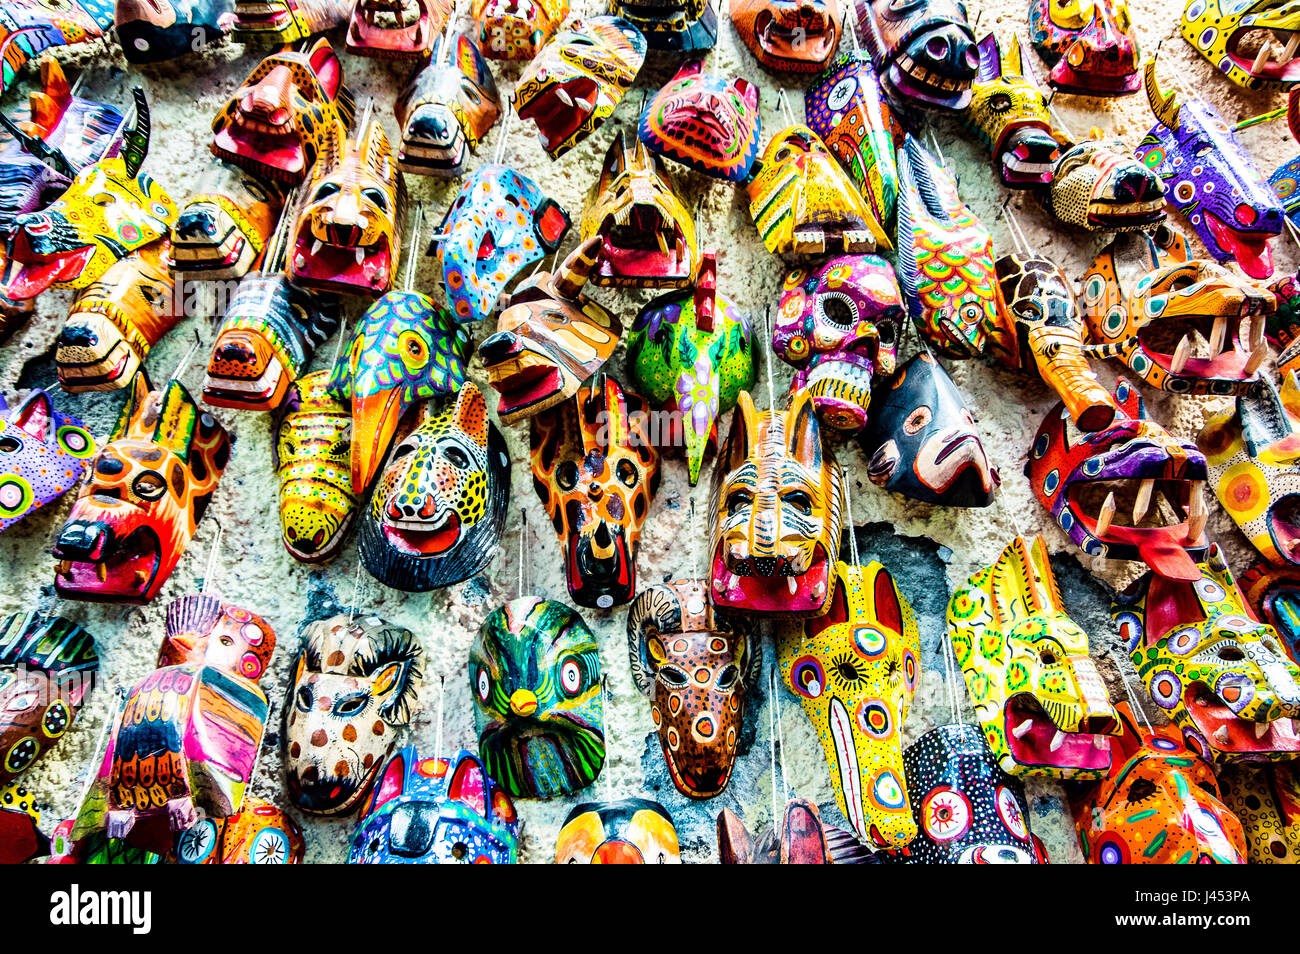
pixel 152 31
pixel 924 51
pixel 225 224
pixel 516 29
pixel 1009 113
pixel 43 454
pixel 1233 37
pixel 1090 45
pixel 356 684
pixel 261 834
pixel 1098 185
pixel 534 673
pixel 798 36
pixel 285 22
pixel 446 110
pixel 707 123
pixel 392 30
pixel 629 831
pixel 682 26
pixel 1266 799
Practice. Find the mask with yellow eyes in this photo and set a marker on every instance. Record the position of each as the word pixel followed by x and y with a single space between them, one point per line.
pixel 1239 39
pixel 1089 44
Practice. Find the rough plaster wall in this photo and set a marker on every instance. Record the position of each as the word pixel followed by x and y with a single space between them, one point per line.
pixel 253 569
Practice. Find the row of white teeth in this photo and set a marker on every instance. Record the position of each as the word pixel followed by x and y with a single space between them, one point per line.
pixel 1266 48
pixel 809 241
pixel 563 96
pixel 1218 337
pixel 851 374
pixel 791 582
pixel 1098 741
pixel 1016 164
pixel 917 72
pixel 1197 512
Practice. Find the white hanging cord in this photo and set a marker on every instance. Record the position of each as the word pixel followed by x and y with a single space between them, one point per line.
pixel 771 385
pixel 210 569
pixel 356 589
pixel 848 513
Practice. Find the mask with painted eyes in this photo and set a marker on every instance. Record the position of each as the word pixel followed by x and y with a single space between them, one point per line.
pixel 579 78
pixel 1221 676
pixel 396 30
pixel 43 454
pixel 224 225
pixel 1266 798
pixel 436 811
pixel 1273 594
pixel 1285 182
pixel 446 110
pixel 516 29
pixel 356 684
pixel 534 673
pixel 285 22
pixel 1009 113
pixel 1098 185
pixel 1237 38
pixel 43 24
pixel 261 834
pixel 1090 45
pixel 705 122
pixel 596 473
pixel 152 31
pixel 921 440
pixel 799 36
pixel 629 831
pixel 694 664
pixel 924 51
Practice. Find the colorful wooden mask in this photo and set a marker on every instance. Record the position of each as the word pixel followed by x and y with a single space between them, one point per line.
pixel 292 109
pixel 1009 113
pixel 356 684
pixel 446 110
pixel 149 486
pixel 708 123
pixel 21 838
pixel 1211 178
pixel 29 27
pixel 110 210
pixel 1098 185
pixel 512 30
pixel 692 355
pixel 1265 799
pixel 778 509
pixel 694 664
pixel 629 831
pixel 261 834
pixel 1158 806
pixel 839 325
pixel 1073 473
pixel 437 512
pixel 1285 180
pixel 804 203
pixel 596 473
pixel 845 108
pixel 924 50
pixel 43 454
pixel 1273 594
pixel 945 258
pixel 534 672
pixel 436 811
pixel 150 31
pixel 683 26
pixel 312 456
pixel 499 224
pixel 224 226
pixel 578 79
pixel 1090 45
pixel 921 440
pixel 287 21
pixel 549 339
pixel 270 332
pixel 854 671
pixel 800 37
pixel 1234 37
pixel 967 810
pixel 648 238
pixel 390 30
pixel 803 839
pixel 1221 676
pixel 48 665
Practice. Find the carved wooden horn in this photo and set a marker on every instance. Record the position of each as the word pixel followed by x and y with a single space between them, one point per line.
pixel 1165 107
pixel 573 271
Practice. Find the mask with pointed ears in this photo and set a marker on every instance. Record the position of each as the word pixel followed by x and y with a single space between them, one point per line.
pixel 224 226
pixel 802 838
pixel 1098 185
pixel 1090 45
pixel 43 454
pixel 923 50
pixel 446 110
pixel 1009 113
pixel 705 122
pixel 797 36
pixel 389 30
pixel 516 29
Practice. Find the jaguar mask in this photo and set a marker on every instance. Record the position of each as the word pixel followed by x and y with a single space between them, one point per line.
pixel 534 673
pixel 1037 693
pixel 924 50
pixel 596 473
pixel 549 339
pixel 44 453
pixel 261 834
pixel 292 109
pixel 855 671
pixel 1237 39
pixel 396 29
pixel 694 664
pixel 945 258
pixel 778 506
pixel 647 238
pixel 149 486
pixel 578 79
pixel 29 27
pixel 683 26
pixel 1266 799
pixel 1221 676
pixel 356 685
pixel 312 453
pixel 436 811
pixel 798 36
pixel 516 29
pixel 629 831
pixel 1009 114
pixel 223 228
pixel 48 666
pixel 499 224
pixel 1127 492
pixel 1090 45
pixel 152 31
pixel 437 512
pixel 1211 178
pixel 1098 185
pixel 286 22
pixel 839 326
pixel 921 440
pixel 1158 806
pixel 446 110
pixel 707 123
pixel 804 203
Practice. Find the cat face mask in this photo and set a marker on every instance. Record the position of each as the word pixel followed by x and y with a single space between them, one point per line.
pixel 706 122
pixel 43 454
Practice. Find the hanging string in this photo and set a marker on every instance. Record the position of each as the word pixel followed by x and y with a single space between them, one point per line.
pixel 501 142
pixel 784 102
pixel 771 385
pixel 1131 693
pixel 937 151
pixel 413 243
pixel 356 589
pixel 442 691
pixel 606 783
pixel 950 675
pixel 523 528
pixel 696 570
pixel 210 570
pixel 771 736
pixel 780 732
pixel 186 358
pixel 848 513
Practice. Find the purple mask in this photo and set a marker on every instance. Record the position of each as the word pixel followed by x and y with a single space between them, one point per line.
pixel 43 454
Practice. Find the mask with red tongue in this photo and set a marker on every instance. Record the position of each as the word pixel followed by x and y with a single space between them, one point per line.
pixel 1101 487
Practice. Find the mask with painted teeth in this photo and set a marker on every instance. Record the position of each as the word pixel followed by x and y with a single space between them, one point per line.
pixel 1221 676
pixel 1036 691
pixel 225 225
pixel 1211 178
pixel 577 81
pixel 1090 45
pixel 152 31
pixel 1264 798
pixel 1253 43
pixel 795 35
pixel 287 21
pixel 1098 185
pixel 921 440
pixel 628 831
pixel 1009 113
pixel 516 29
pixel 446 110
pixel 839 325
pixel 707 123
pixel 43 454
pixel 403 30
pixel 924 51
pixel 683 26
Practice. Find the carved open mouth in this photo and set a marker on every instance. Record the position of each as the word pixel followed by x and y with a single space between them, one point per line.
pixel 524 380
pixel 352 267
pixel 1028 157
pixel 110 570
pixel 1267 53
pixel 1159 516
pixel 263 16
pixel 313 792
pixel 812 236
pixel 423 538
pixel 840 383
pixel 264 391
pixel 560 109
pixel 911 79
pixel 1249 248
pixel 642 244
pixel 28 272
pixel 1105 214
pixel 1034 739
pixel 809 40
pixel 770 584
pixel 388 27
pixel 81 369
pixel 269 149
pixel 1215 720
pixel 1202 348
